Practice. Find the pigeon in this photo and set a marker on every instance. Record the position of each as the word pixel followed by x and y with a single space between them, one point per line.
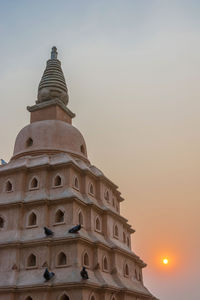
pixel 48 232
pixel 48 275
pixel 75 229
pixel 84 273
pixel 3 162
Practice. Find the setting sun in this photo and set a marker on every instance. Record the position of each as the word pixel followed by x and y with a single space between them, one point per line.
pixel 165 261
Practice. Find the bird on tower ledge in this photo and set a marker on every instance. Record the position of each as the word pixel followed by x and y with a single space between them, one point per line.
pixel 48 187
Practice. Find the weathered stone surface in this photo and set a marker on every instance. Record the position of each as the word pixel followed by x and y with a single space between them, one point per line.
pixel 50 182
pixel 52 84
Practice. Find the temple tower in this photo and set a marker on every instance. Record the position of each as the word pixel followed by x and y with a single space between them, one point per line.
pixel 50 182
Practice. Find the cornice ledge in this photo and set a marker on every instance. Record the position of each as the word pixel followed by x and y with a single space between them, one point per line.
pixel 45 104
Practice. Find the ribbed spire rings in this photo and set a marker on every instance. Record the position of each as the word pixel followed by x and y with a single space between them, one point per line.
pixel 53 85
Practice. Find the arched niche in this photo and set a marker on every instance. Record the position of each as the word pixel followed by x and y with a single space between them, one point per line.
pixel 31 261
pixel 128 241
pixel 113 202
pixel 34 184
pixel 32 219
pixel 107 196
pixel 76 183
pixel 124 237
pixel 91 189
pixel 9 186
pixel 64 297
pixel 29 142
pixel 86 261
pixel 29 298
pixel 126 270
pixel 136 274
pixel 59 216
pixel 97 224
pixel 105 263
pixel 82 148
pixel 116 231
pixel 57 181
pixel 2 222
pixel 61 259
pixel 80 218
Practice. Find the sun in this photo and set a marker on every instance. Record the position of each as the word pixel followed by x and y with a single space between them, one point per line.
pixel 165 261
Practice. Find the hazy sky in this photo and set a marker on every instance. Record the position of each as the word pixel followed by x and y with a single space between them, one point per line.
pixel 133 71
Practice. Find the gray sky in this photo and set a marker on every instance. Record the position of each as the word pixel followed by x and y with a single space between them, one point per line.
pixel 132 70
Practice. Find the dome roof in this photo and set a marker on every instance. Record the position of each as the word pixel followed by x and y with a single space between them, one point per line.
pixel 50 136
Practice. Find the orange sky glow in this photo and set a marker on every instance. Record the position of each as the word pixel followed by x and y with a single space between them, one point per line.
pixel 132 70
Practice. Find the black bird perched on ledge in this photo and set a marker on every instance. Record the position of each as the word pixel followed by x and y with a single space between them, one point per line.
pixel 48 232
pixel 84 273
pixel 75 229
pixel 48 275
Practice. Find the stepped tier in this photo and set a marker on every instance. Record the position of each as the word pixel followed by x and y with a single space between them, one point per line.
pixel 50 186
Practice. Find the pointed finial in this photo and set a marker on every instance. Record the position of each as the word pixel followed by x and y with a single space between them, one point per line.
pixel 54 53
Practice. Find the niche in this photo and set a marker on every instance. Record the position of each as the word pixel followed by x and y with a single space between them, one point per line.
pixel 34 183
pixel 57 181
pixel 86 260
pixel 1 222
pixel 98 224
pixel 31 262
pixel 29 142
pixel 76 183
pixel 62 259
pixel 64 297
pixel 105 264
pixel 32 219
pixel 59 216
pixel 80 218
pixel 9 187
pixel 116 231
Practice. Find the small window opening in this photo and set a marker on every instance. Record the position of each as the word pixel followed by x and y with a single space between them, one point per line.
pixel 91 189
pixel 8 186
pixel 64 297
pixel 106 196
pixel 34 183
pixel 80 218
pixel 116 231
pixel 62 259
pixel 1 222
pixel 29 298
pixel 86 260
pixel 29 142
pixel 128 241
pixel 140 277
pixel 113 202
pixel 76 183
pixel 105 263
pixel 136 276
pixel 124 237
pixel 32 219
pixel 98 224
pixel 57 181
pixel 92 298
pixel 31 261
pixel 126 270
pixel 82 149
pixel 59 217
pixel 117 206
